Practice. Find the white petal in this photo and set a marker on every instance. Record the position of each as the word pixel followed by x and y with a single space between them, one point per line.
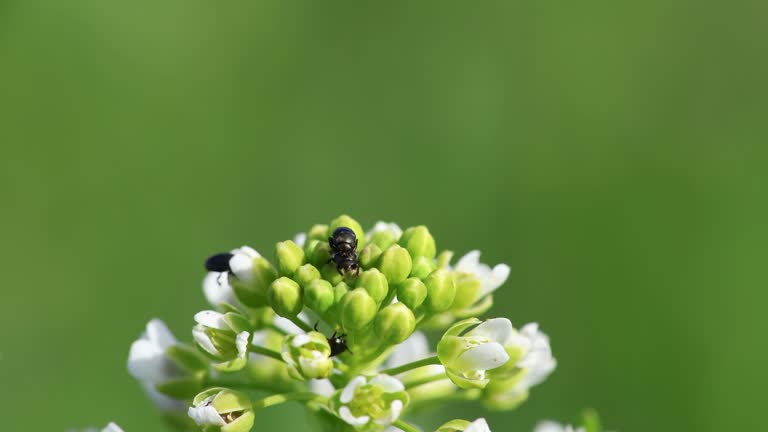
pixel 241 265
pixel 482 357
pixel 202 339
pixel 469 262
pixel 212 319
pixel 387 383
pixel 496 330
pixel 495 279
pixel 163 402
pixel 205 415
pixel 287 326
pixel 349 391
pixel 241 342
pixel 550 426
pixel 347 416
pixel 323 387
pixel 300 239
pixel 479 425
pixel 414 348
pixel 159 333
pixel 217 289
pixel 300 340
pixel 385 226
pixel 394 413
pixel 112 428
pixel 247 251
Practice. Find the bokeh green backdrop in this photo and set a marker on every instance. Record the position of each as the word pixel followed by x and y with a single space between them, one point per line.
pixel 612 153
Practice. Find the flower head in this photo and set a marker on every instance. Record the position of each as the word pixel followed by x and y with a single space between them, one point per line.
pixel 467 357
pixel 220 409
pixel 225 337
pixel 369 403
pixel 307 355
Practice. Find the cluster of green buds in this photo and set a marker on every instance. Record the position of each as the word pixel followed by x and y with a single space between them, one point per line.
pixel 340 321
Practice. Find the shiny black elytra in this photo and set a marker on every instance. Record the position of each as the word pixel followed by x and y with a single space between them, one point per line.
pixel 219 263
pixel 343 243
pixel 337 342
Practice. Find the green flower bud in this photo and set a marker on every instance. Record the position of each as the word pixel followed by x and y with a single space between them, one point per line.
pixel 419 242
pixel 307 356
pixel 306 274
pixel 467 289
pixel 383 239
pixel 222 410
pixel 369 256
pixel 375 283
pixel 440 291
pixel 318 296
pixel 358 310
pixel 253 293
pixel 331 273
pixel 422 267
pixel 346 221
pixel 412 292
pixel 318 232
pixel 468 356
pixel 444 259
pixel 395 263
pixel 289 257
pixel 285 297
pixel 394 324
pixel 318 252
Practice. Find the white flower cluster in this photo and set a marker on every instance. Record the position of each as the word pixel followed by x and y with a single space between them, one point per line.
pixel 340 321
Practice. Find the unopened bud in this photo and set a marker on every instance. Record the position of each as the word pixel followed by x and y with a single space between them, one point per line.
pixel 369 256
pixel 318 296
pixel 467 289
pixel 394 324
pixel 440 291
pixel 422 267
pixel 306 274
pixel 358 310
pixel 375 283
pixel 289 257
pixel 395 263
pixel 318 232
pixel 419 242
pixel 285 297
pixel 318 252
pixel 412 292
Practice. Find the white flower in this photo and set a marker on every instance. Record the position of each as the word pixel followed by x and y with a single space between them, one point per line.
pixel 379 400
pixel 307 355
pixel 216 334
pixel 479 425
pixel 112 428
pixel 537 361
pixel 490 279
pixel 551 426
pixel 381 226
pixel 204 414
pixel 467 357
pixel 216 286
pixel 149 364
pixel 300 239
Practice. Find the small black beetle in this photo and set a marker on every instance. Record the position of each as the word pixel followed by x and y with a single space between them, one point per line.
pixel 337 342
pixel 219 263
pixel 343 245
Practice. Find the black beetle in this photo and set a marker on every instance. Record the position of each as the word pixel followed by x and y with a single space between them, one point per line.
pixel 337 342
pixel 343 245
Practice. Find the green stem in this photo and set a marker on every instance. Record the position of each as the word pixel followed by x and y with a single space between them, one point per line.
pixel 276 329
pixel 404 426
pixel 266 352
pixel 282 398
pixel 413 365
pixel 423 380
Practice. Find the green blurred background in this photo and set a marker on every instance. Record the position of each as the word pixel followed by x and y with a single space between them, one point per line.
pixel 613 153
